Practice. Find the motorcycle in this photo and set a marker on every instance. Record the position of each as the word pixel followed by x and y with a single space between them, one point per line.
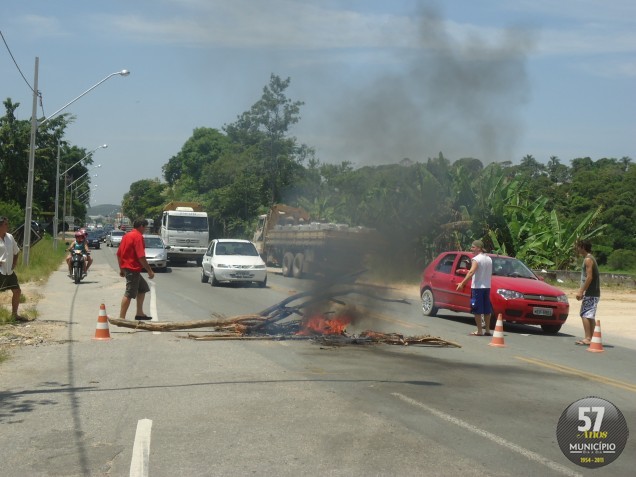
pixel 77 266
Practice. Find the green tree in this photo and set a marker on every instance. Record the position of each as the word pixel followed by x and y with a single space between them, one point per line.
pixel 145 199
pixel 204 147
pixel 266 126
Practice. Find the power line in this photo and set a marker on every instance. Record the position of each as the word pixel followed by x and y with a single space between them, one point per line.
pixel 15 62
pixel 21 74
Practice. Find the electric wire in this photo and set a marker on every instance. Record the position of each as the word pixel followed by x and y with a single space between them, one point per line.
pixel 39 93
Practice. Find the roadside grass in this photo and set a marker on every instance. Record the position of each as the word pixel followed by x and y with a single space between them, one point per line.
pixel 43 260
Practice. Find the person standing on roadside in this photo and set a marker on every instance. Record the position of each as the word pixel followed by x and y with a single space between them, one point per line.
pixel 9 251
pixel 589 294
pixel 131 255
pixel 481 274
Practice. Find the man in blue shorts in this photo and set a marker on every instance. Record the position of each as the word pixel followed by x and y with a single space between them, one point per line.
pixel 481 274
pixel 590 291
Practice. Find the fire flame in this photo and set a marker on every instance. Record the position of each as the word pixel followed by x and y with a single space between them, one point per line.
pixel 321 325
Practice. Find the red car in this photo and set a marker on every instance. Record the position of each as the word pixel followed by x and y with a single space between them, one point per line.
pixel 516 292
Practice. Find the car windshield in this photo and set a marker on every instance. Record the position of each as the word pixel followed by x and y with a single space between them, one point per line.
pixel 153 242
pixel 117 233
pixel 236 248
pixel 510 267
pixel 188 223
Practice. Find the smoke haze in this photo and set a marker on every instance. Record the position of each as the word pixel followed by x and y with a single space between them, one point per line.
pixel 462 97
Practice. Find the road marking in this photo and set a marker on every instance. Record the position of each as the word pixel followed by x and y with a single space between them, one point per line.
pixel 139 464
pixel 528 454
pixel 153 304
pixel 577 372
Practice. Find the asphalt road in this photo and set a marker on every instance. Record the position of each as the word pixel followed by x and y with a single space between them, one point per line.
pixel 160 404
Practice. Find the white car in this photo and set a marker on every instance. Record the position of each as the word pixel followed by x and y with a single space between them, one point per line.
pixel 233 260
pixel 113 239
pixel 156 252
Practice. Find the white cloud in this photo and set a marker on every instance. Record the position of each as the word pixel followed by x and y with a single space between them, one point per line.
pixel 39 26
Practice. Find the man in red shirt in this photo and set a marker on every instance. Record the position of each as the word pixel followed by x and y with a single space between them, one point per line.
pixel 131 255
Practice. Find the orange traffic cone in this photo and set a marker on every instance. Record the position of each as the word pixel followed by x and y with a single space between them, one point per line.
pixel 498 336
pixel 596 345
pixel 102 332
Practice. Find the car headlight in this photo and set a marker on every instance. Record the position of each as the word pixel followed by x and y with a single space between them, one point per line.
pixel 562 299
pixel 509 294
pixel 222 265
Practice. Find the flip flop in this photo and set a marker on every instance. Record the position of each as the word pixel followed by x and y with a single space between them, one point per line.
pixel 582 342
pixel 474 333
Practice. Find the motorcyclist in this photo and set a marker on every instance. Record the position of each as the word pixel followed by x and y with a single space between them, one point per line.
pixel 89 258
pixel 79 244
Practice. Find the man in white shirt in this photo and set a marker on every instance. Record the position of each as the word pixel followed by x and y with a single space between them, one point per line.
pixel 9 251
pixel 481 273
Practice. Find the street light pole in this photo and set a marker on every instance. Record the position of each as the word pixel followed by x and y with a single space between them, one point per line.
pixel 34 127
pixel 29 204
pixel 57 187
pixel 70 186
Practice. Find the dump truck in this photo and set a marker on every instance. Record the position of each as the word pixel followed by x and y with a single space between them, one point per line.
pixel 185 230
pixel 287 237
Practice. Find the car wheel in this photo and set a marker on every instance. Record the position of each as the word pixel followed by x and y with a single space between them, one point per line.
pixel 215 282
pixel 288 263
pixel 428 303
pixel 263 284
pixel 551 329
pixel 297 268
pixel 204 277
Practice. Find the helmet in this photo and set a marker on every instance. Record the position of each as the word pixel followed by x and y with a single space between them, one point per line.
pixel 79 234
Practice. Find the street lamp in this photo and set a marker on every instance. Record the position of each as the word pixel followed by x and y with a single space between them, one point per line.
pixel 85 193
pixel 66 186
pixel 34 128
pixel 70 186
pixel 57 187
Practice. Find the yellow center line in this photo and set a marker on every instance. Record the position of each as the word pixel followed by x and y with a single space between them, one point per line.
pixel 578 372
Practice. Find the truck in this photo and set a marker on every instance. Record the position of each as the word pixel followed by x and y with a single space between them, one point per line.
pixel 287 237
pixel 185 230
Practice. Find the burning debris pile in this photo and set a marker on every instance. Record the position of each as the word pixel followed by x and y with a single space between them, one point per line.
pixel 320 315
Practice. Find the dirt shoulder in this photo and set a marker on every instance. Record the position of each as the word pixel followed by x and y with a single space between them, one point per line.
pixel 38 332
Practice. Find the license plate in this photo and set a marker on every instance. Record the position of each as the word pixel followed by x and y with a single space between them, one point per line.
pixel 542 311
pixel 242 274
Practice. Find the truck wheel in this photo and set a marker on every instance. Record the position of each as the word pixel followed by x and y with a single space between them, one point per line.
pixel 297 268
pixel 288 263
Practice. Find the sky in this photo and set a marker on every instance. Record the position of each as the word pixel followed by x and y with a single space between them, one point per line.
pixel 380 80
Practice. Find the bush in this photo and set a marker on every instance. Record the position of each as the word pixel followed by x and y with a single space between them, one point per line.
pixel 622 260
pixel 13 212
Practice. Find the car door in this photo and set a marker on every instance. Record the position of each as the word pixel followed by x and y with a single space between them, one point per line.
pixel 206 263
pixel 460 299
pixel 442 279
